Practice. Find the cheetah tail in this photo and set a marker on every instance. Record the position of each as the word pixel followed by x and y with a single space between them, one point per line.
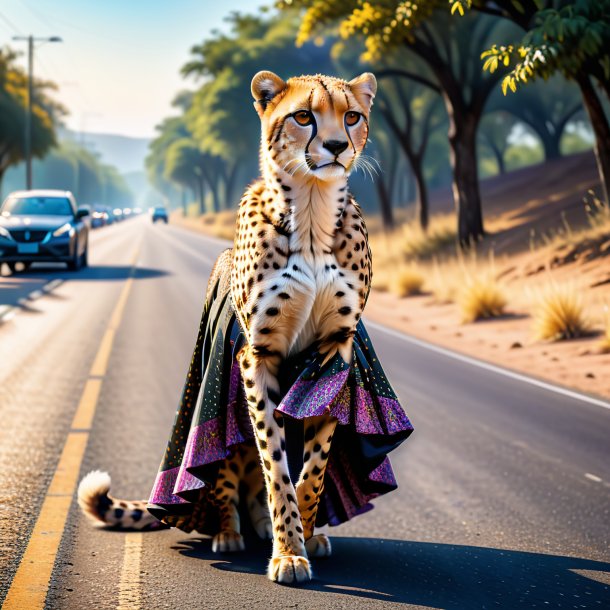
pixel 102 510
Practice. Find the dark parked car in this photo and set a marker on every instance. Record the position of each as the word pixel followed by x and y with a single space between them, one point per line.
pixel 43 226
pixel 160 213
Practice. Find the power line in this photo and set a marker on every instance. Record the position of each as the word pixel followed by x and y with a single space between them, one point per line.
pixel 11 25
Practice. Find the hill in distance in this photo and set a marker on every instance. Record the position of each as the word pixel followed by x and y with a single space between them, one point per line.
pixel 126 153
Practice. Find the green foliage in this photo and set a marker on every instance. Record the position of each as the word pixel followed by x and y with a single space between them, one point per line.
pixel 13 102
pixel 218 118
pixel 70 167
pixel 566 37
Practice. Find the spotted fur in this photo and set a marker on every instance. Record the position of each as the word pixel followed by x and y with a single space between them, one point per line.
pixel 299 274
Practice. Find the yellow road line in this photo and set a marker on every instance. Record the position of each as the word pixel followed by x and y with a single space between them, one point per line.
pixel 30 585
pixel 130 597
pixel 100 364
pixel 86 407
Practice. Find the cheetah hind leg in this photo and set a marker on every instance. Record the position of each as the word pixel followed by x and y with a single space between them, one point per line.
pixel 318 546
pixel 256 500
pixel 226 498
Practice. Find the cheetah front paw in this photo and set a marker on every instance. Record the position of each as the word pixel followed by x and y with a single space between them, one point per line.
pixel 318 546
pixel 289 569
pixel 228 541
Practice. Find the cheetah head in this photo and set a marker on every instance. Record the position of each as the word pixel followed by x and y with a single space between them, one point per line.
pixel 313 125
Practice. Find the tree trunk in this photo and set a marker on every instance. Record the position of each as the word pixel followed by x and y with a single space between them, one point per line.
pixel 215 198
pixel 385 204
pixel 466 195
pixel 550 142
pixel 499 159
pixel 184 205
pixel 201 195
pixel 230 187
pixel 601 129
pixel 421 191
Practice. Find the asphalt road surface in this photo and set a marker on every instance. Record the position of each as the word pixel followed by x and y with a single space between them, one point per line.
pixel 504 488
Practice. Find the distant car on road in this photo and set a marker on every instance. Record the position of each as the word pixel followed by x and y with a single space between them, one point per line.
pixel 43 226
pixel 160 213
pixel 99 217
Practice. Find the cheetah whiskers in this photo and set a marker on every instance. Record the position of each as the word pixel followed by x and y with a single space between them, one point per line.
pixel 301 164
pixel 366 165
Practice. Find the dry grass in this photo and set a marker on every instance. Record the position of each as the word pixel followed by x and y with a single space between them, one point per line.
pixel 559 313
pixel 598 225
pixel 407 281
pixel 604 344
pixel 481 297
pixel 444 280
pixel 220 225
pixel 410 242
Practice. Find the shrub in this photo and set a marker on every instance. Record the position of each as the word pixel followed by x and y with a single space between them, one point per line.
pixel 406 281
pixel 559 313
pixel 481 297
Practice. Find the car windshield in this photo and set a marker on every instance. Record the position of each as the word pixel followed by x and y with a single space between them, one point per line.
pixel 37 206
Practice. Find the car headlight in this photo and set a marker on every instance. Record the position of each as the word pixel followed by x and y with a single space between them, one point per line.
pixel 67 228
pixel 5 233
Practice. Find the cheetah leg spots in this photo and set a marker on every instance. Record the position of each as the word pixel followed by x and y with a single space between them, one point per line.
pixel 318 438
pixel 318 546
pixel 255 501
pixel 228 541
pixel 289 569
pixel 226 497
pixel 289 562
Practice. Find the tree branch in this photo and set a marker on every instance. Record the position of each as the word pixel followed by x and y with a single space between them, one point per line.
pixel 399 72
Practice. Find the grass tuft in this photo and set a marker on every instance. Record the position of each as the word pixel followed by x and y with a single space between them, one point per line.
pixel 559 313
pixel 480 298
pixel 406 281
pixel 443 281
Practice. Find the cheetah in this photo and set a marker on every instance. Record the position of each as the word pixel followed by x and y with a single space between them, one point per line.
pixel 282 363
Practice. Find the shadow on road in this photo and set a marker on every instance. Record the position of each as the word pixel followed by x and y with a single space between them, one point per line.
pixel 16 287
pixel 437 575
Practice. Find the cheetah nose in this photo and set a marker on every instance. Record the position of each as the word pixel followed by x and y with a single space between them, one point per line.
pixel 335 146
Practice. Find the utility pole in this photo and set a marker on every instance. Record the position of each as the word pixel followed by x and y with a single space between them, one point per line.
pixel 28 112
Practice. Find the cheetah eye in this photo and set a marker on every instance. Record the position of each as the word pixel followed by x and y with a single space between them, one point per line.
pixel 303 118
pixel 351 118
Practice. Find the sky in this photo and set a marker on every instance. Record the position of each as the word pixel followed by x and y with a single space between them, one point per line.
pixel 118 65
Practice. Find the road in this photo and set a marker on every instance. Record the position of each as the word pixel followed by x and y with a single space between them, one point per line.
pixel 504 488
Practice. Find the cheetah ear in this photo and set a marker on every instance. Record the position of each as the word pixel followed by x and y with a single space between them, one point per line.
pixel 364 88
pixel 265 86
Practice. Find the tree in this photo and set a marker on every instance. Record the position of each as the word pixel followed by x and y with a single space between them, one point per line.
pixel 415 113
pixel 496 127
pixel 447 47
pixel 183 165
pixel 546 108
pixel 169 130
pixel 13 105
pixel 218 117
pixel 571 38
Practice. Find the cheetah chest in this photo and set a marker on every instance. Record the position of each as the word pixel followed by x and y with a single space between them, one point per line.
pixel 326 293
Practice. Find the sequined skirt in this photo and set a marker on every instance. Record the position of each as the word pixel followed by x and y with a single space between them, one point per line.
pixel 212 421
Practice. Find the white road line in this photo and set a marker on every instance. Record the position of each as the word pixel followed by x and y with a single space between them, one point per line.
pixel 593 477
pixel 490 367
pixel 52 285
